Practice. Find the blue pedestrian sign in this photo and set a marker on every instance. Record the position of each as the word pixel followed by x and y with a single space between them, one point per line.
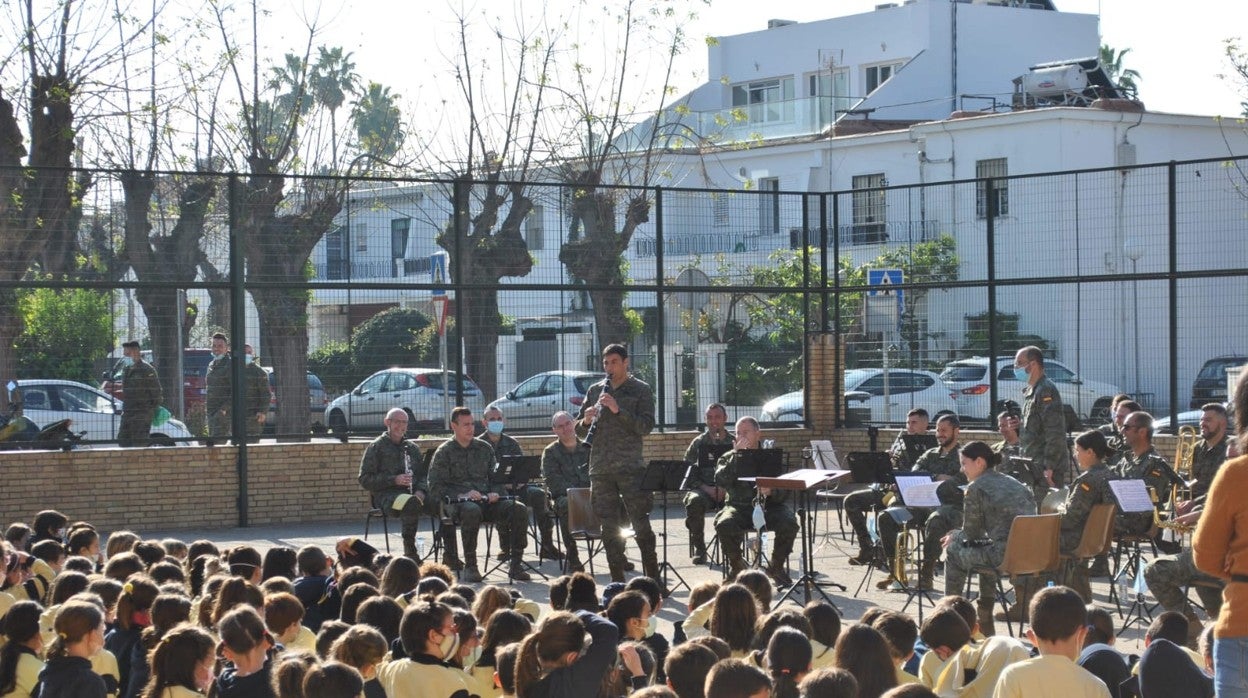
pixel 437 273
pixel 881 282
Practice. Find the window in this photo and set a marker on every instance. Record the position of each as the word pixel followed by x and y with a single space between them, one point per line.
pixel 530 388
pixel 336 254
pixel 719 209
pixel 75 399
pixel 869 205
pixel 360 232
pixel 769 206
pixel 400 381
pixel 533 232
pixel 372 385
pixel 829 90
pixel 876 75
pixel 996 170
pixel 765 100
pixel 399 228
pixel 1058 373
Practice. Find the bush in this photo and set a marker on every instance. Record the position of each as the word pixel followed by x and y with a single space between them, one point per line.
pixel 64 330
pixel 332 364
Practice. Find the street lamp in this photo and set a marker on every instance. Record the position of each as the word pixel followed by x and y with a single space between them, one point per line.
pixel 1134 251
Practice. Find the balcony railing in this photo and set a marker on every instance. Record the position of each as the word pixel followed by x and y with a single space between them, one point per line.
pixel 741 124
pixel 372 269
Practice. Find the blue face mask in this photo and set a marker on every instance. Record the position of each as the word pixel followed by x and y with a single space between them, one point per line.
pixel 495 427
pixel 1020 374
pixel 247 359
pixel 127 361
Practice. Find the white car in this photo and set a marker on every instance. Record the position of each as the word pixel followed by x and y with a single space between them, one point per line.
pixel 864 389
pixel 968 379
pixel 531 404
pixel 418 391
pixel 92 411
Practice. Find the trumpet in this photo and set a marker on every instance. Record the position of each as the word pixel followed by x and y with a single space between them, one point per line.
pixel 903 555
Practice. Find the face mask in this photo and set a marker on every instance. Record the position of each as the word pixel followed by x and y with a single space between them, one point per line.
pixel 652 625
pixel 247 359
pixel 1020 374
pixel 217 354
pixel 473 657
pixel 449 646
pixel 494 427
pixel 127 361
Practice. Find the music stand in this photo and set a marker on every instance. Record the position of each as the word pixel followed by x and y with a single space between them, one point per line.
pixel 753 464
pixel 916 445
pixel 516 472
pixel 803 482
pixel 915 592
pixel 709 454
pixel 663 476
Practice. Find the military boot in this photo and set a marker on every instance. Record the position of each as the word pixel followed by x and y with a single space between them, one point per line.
pixel 983 612
pixel 778 570
pixel 650 564
pixel 409 544
pixel 616 570
pixel 573 561
pixel 736 564
pixel 927 573
pixel 517 572
pixel 865 556
pixel 1100 566
pixel 450 550
pixel 698 541
pixel 470 575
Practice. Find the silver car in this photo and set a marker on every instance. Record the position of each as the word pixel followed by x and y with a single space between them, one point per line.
pixel 92 411
pixel 968 379
pixel 418 391
pixel 531 404
pixel 864 390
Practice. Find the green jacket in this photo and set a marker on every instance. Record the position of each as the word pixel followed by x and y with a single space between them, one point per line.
pixel 1206 460
pixel 142 387
pixel 383 460
pixel 992 503
pixel 220 389
pixel 506 446
pixel 618 436
pixel 258 394
pixel 456 470
pixel 699 477
pixel 1088 490
pixel 740 494
pixel 1043 428
pixel 563 469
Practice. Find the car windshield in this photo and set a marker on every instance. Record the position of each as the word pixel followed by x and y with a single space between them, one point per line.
pixel 855 377
pixel 962 372
pixel 583 382
pixel 1215 369
pixel 433 380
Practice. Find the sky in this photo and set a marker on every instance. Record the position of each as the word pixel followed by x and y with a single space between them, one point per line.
pixel 1177 47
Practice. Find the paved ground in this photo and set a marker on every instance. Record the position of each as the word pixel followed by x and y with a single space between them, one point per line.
pixel 830 555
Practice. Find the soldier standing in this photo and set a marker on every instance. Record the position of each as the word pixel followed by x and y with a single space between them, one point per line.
pixel 1043 432
pixel 565 464
pixel 619 412
pixel 143 396
pixel 1088 490
pixel 734 521
pixel 258 394
pixel 219 388
pixel 703 494
pixel 392 467
pixel 992 502
pixel 459 476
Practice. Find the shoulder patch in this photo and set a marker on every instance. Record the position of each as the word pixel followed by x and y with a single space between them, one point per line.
pixel 1086 487
pixel 1047 398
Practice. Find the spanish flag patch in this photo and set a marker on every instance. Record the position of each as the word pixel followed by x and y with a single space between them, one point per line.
pixel 1086 487
pixel 1047 399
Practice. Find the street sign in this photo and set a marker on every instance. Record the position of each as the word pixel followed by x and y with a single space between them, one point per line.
pixel 440 304
pixel 438 273
pixel 881 284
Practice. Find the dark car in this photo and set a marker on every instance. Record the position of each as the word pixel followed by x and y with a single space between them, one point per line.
pixel 1210 384
pixel 316 396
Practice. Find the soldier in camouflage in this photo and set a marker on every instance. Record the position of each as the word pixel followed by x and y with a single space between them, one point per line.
pixel 993 501
pixel 459 477
pixel 620 412
pixel 1088 490
pixel 1143 462
pixel 565 464
pixel 258 394
pixel 942 463
pixel 1210 452
pixel 1010 448
pixel 392 467
pixel 533 496
pixel 1168 579
pixel 735 520
pixel 858 504
pixel 703 494
pixel 1118 444
pixel 143 396
pixel 1043 432
pixel 219 388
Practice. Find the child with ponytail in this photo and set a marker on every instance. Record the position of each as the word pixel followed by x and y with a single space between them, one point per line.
pixel 181 664
pixel 430 638
pixel 19 658
pixel 788 661
pixel 168 612
pixel 245 644
pixel 79 635
pixel 567 657
pixel 134 614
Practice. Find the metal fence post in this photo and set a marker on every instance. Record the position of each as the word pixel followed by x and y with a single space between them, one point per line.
pixel 661 336
pixel 1172 228
pixel 990 210
pixel 238 328
pixel 836 302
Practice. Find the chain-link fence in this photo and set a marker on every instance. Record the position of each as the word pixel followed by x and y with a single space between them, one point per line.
pixel 357 296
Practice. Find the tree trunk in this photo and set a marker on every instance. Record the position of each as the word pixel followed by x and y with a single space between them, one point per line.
pixel 285 347
pixel 10 328
pixel 478 319
pixel 613 327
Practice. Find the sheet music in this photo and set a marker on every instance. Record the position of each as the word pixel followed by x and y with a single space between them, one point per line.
pixel 1132 495
pixel 918 490
pixel 823 455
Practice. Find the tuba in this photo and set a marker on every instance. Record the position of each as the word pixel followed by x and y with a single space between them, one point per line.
pixel 907 542
pixel 1184 455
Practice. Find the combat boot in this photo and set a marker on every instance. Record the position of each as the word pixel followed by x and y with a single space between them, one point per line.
pixel 777 569
pixel 864 557
pixel 927 573
pixel 616 570
pixel 450 548
pixel 736 564
pixel 698 541
pixel 470 575
pixel 516 572
pixel 573 561
pixel 549 551
pixel 650 565
pixel 1100 566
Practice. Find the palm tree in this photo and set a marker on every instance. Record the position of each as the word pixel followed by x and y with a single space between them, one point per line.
pixel 1128 79
pixel 332 79
pixel 378 121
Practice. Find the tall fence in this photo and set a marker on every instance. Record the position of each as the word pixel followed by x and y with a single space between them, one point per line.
pixel 1131 279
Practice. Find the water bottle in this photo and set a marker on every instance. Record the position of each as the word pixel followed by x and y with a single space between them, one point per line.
pixel 1123 591
pixel 764 540
pixel 420 546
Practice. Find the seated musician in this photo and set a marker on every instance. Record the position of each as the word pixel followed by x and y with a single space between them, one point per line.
pixel 392 467
pixel 1143 462
pixel 735 520
pixel 459 477
pixel 1118 443
pixel 992 502
pixel 703 495
pixel 1010 448
pixel 1088 490
pixel 941 463
pixel 1208 454
pixel 858 504
pixel 533 496
pixel 565 464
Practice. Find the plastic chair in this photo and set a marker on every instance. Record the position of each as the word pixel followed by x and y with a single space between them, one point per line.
pixel 1097 538
pixel 1033 548
pixel 583 523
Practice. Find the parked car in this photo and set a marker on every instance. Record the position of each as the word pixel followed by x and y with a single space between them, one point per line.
pixel 194 370
pixel 93 411
pixel 530 404
pixel 1210 383
pixel 419 391
pixel 317 398
pixel 864 393
pixel 1190 418
pixel 968 379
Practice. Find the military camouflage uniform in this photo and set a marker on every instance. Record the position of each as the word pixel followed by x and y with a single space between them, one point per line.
pixel 220 393
pixel 533 496
pixel 1088 490
pixel 457 470
pixel 1043 429
pixel 1169 576
pixel 143 396
pixel 735 520
pixel 1156 473
pixel 992 502
pixel 258 396
pixel 858 504
pixel 1206 460
pixel 562 470
pixel 616 469
pixel 936 522
pixel 1027 473
pixel 383 461
pixel 697 502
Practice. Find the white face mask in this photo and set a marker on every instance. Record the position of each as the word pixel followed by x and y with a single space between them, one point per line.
pixel 474 656
pixel 449 646
pixel 652 625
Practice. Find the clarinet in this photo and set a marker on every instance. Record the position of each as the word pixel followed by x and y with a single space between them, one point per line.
pixel 465 498
pixel 593 423
pixel 407 468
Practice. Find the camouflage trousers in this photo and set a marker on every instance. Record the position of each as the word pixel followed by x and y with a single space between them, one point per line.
pixel 219 424
pixel 697 503
pixel 960 559
pixel 857 505
pixel 510 517
pixel 1168 577
pixel 733 524
pixel 135 429
pixel 608 489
